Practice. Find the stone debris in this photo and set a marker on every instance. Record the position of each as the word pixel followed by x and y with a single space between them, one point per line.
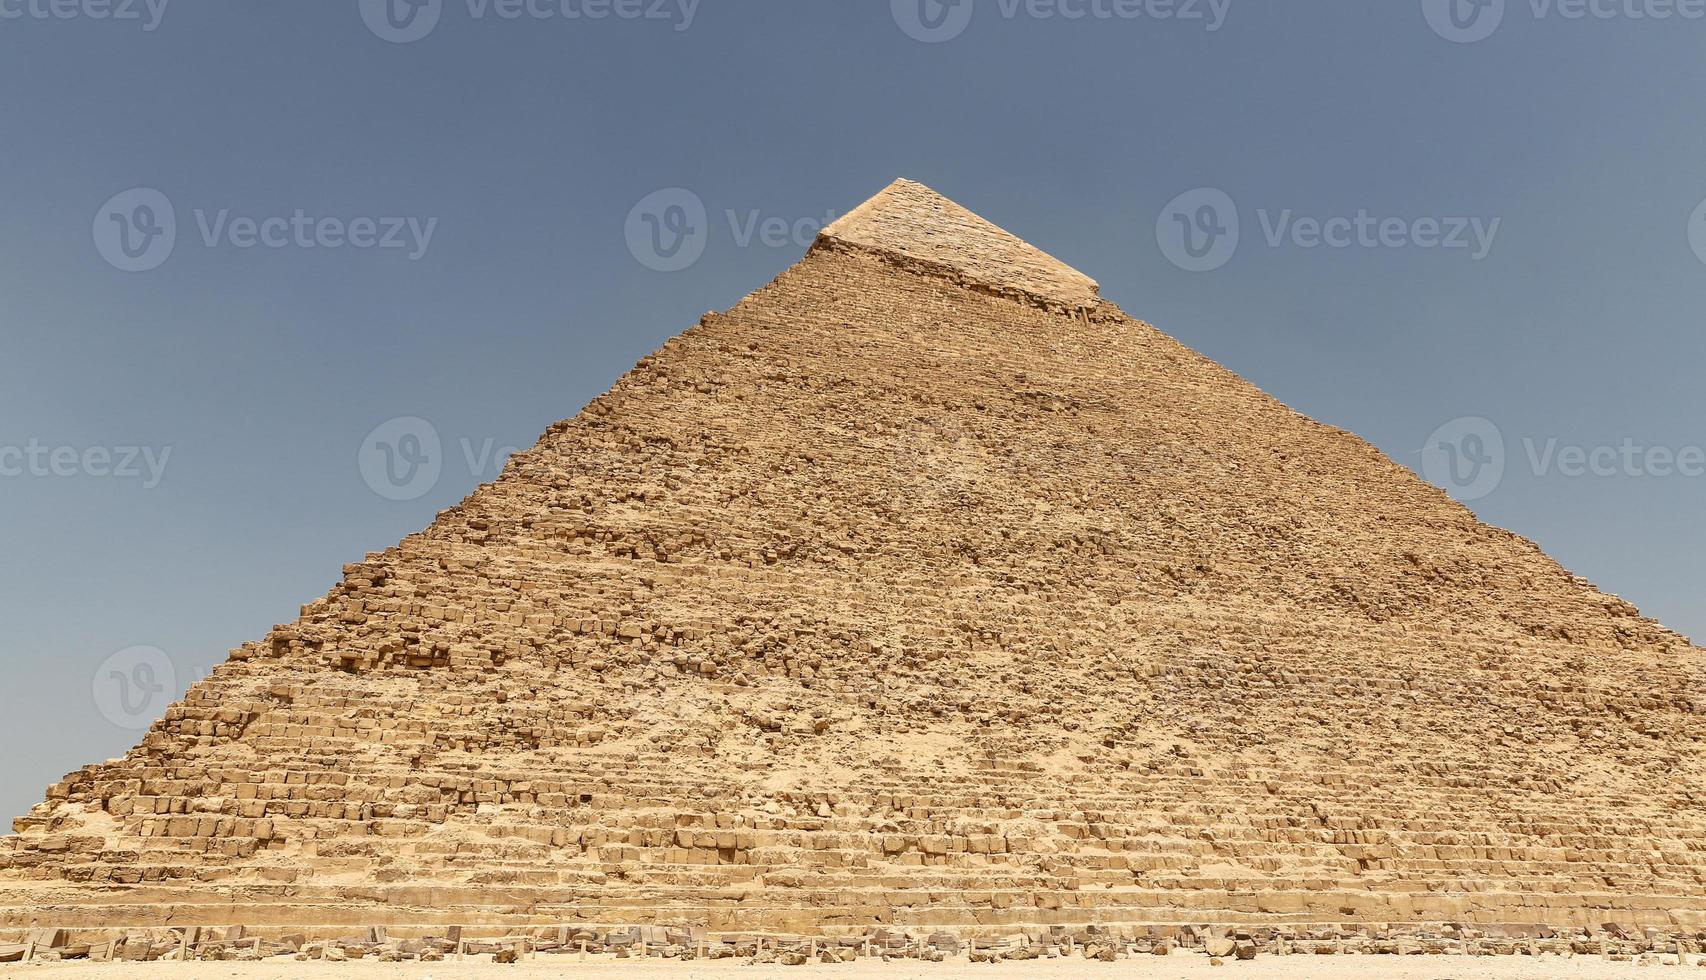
pixel 1219 944
pixel 923 596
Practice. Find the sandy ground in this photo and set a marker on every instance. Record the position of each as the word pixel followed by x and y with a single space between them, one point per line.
pixel 1276 968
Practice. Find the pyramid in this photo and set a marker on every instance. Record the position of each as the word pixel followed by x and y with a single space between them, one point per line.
pixel 924 589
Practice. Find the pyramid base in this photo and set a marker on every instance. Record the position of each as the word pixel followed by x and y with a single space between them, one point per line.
pixel 430 910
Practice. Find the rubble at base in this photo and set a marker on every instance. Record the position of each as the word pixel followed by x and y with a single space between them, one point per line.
pixel 235 943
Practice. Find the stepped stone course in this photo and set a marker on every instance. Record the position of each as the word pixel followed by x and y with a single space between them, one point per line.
pixel 925 590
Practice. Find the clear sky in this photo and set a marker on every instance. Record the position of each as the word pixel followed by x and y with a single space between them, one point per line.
pixel 240 238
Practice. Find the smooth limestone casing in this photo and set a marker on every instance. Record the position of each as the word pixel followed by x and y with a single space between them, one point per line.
pixel 920 594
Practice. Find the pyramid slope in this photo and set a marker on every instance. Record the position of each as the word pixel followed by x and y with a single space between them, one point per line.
pixel 882 599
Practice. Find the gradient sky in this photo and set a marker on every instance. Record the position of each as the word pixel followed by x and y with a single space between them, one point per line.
pixel 526 143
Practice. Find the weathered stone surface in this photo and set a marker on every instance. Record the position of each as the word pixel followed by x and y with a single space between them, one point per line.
pixel 921 590
pixel 910 221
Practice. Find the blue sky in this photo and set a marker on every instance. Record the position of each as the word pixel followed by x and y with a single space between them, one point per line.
pixel 449 220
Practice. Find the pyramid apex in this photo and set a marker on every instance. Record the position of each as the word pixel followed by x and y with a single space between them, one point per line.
pixel 909 219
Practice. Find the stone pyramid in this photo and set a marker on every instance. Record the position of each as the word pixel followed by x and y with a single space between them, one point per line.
pixel 923 589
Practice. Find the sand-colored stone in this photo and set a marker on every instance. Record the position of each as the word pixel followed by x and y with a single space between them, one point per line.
pixel 926 590
pixel 907 220
pixel 543 968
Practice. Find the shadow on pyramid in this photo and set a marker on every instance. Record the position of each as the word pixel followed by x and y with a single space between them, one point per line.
pixel 924 589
